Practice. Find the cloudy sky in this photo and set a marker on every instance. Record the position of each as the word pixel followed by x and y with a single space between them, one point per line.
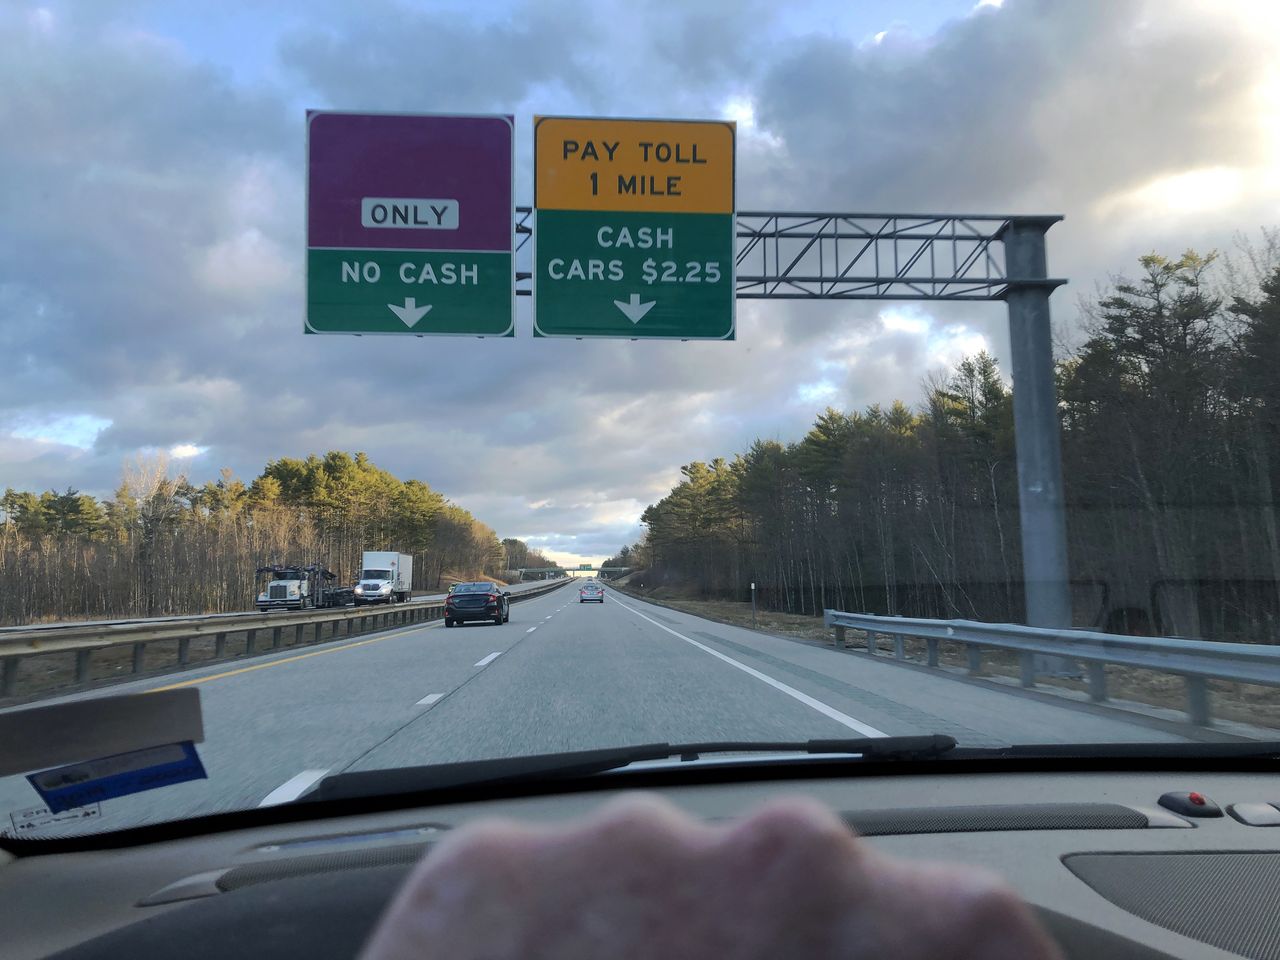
pixel 151 218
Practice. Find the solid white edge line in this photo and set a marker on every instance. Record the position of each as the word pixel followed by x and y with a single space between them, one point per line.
pixel 292 788
pixel 827 711
pixel 489 659
pixel 429 699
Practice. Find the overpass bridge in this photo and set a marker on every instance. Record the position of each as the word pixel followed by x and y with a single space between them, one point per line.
pixel 591 568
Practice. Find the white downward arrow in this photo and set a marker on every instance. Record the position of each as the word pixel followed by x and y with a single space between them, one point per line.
pixel 410 313
pixel 633 309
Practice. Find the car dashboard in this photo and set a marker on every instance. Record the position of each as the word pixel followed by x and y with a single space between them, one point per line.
pixel 1110 871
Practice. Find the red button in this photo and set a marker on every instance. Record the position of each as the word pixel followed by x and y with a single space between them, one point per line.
pixel 1196 798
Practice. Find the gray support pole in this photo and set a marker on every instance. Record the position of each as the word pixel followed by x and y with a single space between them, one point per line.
pixel 82 664
pixel 1035 415
pixel 1198 700
pixel 1046 581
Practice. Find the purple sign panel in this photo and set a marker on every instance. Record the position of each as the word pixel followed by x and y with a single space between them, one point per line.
pixel 464 160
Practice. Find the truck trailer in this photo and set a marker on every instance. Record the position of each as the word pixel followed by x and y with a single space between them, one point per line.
pixel 385 577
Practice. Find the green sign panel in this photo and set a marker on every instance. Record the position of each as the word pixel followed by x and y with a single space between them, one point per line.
pixel 384 291
pixel 638 275
pixel 634 230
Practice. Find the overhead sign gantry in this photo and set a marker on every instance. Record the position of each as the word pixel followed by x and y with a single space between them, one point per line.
pixel 636 236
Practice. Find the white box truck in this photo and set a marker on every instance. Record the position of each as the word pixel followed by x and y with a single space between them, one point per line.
pixel 385 577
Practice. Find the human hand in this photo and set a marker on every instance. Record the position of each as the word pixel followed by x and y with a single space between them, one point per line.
pixel 642 879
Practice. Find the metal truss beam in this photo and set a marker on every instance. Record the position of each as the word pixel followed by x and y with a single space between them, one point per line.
pixel 863 256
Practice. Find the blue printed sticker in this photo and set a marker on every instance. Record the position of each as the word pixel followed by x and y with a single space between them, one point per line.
pixel 93 781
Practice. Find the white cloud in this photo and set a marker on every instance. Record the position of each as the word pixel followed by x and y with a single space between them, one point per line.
pixel 906 319
pixel 185 451
pixel 1190 192
pixel 246 266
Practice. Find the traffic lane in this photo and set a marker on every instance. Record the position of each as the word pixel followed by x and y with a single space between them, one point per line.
pixel 269 720
pixel 319 714
pixel 903 700
pixel 594 676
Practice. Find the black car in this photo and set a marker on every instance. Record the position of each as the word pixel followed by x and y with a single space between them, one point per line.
pixel 476 601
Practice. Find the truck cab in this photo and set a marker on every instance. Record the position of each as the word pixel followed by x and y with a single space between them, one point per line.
pixel 289 588
pixel 375 586
pixel 386 577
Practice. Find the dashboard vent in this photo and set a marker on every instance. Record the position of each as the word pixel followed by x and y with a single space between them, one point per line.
pixel 996 817
pixel 248 874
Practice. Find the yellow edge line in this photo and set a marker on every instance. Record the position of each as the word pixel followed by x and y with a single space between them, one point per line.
pixel 300 656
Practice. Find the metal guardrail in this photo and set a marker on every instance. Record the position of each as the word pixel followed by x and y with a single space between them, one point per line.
pixel 71 625
pixel 1196 661
pixel 261 632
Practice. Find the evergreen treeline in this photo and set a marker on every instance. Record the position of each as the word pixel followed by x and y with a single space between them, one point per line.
pixel 1170 414
pixel 161 545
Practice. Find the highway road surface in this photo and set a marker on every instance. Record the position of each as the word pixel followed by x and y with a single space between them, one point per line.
pixel 562 675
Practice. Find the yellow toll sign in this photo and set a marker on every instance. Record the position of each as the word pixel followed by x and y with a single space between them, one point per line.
pixel 681 166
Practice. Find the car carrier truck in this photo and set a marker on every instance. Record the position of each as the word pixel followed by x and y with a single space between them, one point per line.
pixel 292 587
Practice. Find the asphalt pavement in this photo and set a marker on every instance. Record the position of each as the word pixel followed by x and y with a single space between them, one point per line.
pixel 561 675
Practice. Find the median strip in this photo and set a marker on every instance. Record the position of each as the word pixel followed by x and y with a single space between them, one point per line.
pixel 293 659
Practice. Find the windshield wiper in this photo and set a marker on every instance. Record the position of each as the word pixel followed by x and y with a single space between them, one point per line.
pixel 582 763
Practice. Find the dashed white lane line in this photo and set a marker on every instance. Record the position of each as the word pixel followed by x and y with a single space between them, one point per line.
pixel 827 711
pixel 531 629
pixel 292 788
pixel 429 699
pixel 489 659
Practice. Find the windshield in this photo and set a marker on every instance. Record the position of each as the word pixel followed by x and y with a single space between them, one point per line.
pixel 865 369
